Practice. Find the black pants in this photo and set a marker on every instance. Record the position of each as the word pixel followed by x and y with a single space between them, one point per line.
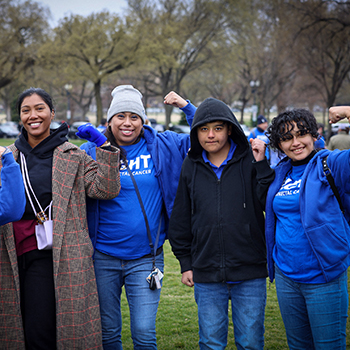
pixel 38 305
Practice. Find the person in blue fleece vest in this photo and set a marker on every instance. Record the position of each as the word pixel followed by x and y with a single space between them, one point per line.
pixel 118 229
pixel 307 235
pixel 12 197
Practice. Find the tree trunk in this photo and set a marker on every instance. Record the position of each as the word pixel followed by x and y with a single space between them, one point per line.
pixel 168 111
pixel 99 110
pixel 330 103
pixel 244 103
pixel 7 108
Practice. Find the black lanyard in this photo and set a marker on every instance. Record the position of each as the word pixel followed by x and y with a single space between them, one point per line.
pixel 153 247
pixel 330 179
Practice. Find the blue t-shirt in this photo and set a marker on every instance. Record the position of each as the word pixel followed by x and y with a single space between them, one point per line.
pixel 122 230
pixel 292 252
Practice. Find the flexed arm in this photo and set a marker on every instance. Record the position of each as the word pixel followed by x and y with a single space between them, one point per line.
pixel 175 100
pixel 338 113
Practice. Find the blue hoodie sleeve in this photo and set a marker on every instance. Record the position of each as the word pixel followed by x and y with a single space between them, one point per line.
pixel 90 149
pixel 182 141
pixel 339 163
pixel 12 196
pixel 189 111
pixel 168 152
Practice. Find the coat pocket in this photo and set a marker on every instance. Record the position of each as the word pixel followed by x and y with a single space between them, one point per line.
pixel 331 248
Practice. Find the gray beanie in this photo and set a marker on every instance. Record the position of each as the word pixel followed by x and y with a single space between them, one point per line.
pixel 125 98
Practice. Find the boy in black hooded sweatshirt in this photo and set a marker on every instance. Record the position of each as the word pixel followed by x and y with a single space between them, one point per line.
pixel 217 227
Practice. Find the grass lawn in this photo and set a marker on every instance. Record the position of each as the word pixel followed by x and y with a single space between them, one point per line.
pixel 177 326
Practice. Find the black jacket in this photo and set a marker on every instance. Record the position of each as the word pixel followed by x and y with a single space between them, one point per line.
pixel 217 225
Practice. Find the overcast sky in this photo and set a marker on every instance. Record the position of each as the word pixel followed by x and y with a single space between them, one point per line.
pixel 61 8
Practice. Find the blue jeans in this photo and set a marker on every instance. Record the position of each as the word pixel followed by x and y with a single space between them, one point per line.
pixel 248 300
pixel 314 315
pixel 111 275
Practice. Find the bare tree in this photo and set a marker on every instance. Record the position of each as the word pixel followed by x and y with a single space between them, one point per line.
pixel 23 28
pixel 323 41
pixel 262 39
pixel 92 48
pixel 179 39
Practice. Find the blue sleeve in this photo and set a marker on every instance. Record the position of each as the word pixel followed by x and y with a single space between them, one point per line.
pixel 170 139
pixel 90 149
pixel 189 110
pixel 12 196
pixel 184 144
pixel 181 140
pixel 339 163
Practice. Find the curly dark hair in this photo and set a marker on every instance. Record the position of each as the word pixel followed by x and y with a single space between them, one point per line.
pixel 281 126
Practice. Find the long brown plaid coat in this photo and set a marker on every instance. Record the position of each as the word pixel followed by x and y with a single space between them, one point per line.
pixel 74 175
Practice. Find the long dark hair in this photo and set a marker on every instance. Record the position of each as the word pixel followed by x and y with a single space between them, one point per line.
pixel 34 91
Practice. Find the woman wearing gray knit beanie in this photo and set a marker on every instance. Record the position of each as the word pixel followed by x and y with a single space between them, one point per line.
pixel 128 232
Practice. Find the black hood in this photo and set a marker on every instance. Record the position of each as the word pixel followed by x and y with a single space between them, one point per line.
pixel 209 111
pixel 46 147
pixel 39 163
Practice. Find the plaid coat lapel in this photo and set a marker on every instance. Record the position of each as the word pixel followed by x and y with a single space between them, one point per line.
pixel 64 169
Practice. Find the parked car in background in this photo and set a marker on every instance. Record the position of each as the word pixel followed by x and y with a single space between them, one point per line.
pixel 159 127
pixel 180 129
pixel 245 129
pixel 74 128
pixel 9 130
pixel 55 125
pixel 13 125
pixel 152 122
